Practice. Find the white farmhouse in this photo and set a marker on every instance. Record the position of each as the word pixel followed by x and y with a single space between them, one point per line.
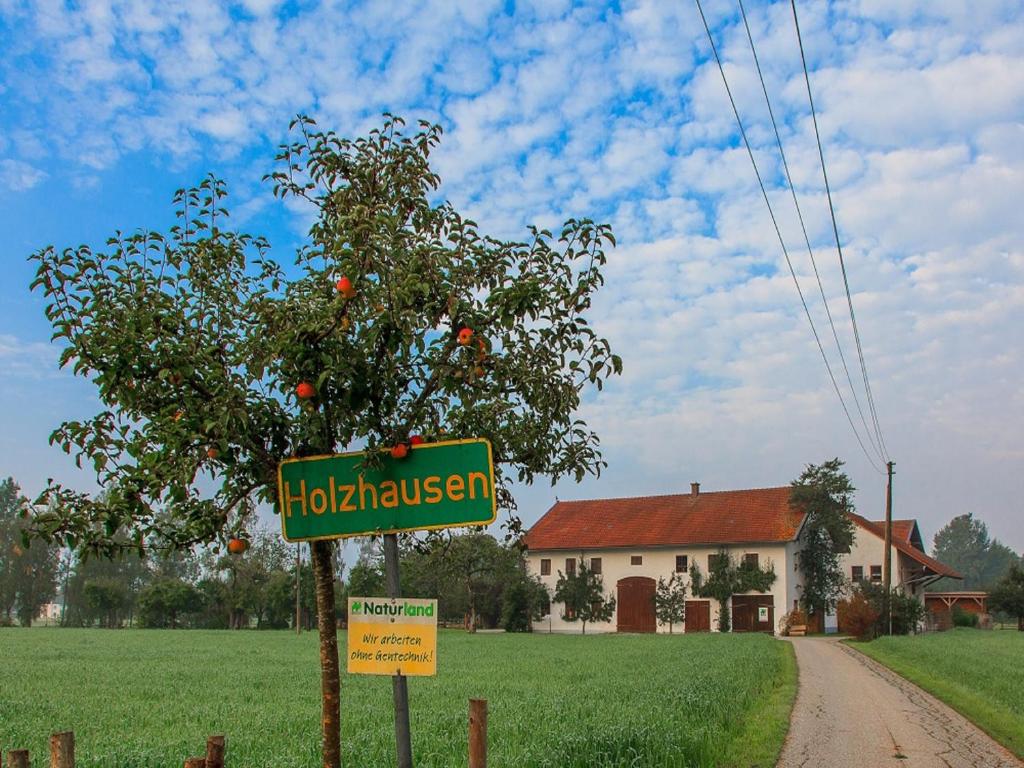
pixel 632 542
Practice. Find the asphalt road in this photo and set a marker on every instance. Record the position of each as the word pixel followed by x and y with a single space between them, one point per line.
pixel 852 712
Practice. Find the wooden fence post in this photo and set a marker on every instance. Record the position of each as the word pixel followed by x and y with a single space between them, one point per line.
pixel 215 752
pixel 17 758
pixel 62 750
pixel 195 762
pixel 478 733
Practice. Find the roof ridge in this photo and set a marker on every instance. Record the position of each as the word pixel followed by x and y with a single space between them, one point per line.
pixel 684 494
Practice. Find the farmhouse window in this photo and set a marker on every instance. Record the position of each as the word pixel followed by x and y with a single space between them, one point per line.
pixel 570 566
pixel 857 573
pixel 636 560
pixel 595 565
pixel 750 560
pixel 713 560
pixel 570 613
pixel 876 573
pixel 682 563
pixel 545 566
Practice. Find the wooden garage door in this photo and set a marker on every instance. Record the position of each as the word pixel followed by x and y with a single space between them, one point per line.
pixel 753 613
pixel 698 616
pixel 635 604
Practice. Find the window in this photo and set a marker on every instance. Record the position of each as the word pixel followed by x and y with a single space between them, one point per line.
pixel 545 566
pixel 857 573
pixel 595 565
pixel 682 563
pixel 570 566
pixel 876 573
pixel 713 560
pixel 636 560
pixel 750 560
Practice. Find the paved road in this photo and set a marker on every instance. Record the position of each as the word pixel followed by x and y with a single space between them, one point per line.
pixel 852 712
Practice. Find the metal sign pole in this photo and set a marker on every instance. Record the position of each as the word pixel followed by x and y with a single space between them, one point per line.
pixel 400 690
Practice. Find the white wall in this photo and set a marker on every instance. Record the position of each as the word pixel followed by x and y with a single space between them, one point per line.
pixel 658 562
pixel 869 549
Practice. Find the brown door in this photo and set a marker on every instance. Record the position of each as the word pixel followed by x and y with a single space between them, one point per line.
pixel 635 604
pixel 753 613
pixel 698 616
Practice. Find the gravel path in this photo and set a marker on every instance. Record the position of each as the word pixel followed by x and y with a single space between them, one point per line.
pixel 852 712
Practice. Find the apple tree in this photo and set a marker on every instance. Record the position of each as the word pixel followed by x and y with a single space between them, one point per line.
pixel 213 361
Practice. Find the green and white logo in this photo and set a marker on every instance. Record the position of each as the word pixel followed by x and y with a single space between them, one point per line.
pixel 357 607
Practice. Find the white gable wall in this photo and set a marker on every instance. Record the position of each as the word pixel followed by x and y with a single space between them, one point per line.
pixel 868 550
pixel 659 562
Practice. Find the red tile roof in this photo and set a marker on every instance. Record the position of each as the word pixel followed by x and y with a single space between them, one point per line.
pixel 901 529
pixel 906 547
pixel 760 515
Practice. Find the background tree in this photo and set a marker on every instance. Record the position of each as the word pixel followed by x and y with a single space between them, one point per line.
pixel 197 341
pixel 523 601
pixel 726 578
pixel 1008 595
pixel 964 545
pixel 670 601
pixel 124 575
pixel 822 494
pixel 582 595
pixel 11 505
pixel 107 599
pixel 168 601
pixel 28 573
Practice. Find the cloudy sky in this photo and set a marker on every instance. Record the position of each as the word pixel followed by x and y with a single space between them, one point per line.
pixel 613 111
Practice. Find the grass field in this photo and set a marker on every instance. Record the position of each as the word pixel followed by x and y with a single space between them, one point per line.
pixel 980 674
pixel 149 698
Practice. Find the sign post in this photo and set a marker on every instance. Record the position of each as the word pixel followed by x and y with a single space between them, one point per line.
pixel 399 688
pixel 438 485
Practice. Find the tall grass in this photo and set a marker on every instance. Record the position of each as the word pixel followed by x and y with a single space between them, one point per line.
pixel 142 699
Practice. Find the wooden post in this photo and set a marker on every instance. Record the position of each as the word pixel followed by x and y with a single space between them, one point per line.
pixel 478 733
pixel 195 762
pixel 215 752
pixel 62 750
pixel 399 689
pixel 17 758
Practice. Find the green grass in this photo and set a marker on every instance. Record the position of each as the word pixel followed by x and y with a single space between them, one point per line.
pixel 978 673
pixel 148 698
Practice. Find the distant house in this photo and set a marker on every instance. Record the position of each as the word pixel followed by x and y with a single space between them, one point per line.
pixel 634 541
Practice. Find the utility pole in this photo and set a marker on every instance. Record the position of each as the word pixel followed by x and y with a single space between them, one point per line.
pixel 298 592
pixel 888 548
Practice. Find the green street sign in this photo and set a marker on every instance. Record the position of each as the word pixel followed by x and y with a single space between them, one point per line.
pixel 438 485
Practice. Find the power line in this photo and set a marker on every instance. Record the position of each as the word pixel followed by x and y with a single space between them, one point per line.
pixel 782 242
pixel 839 247
pixel 803 228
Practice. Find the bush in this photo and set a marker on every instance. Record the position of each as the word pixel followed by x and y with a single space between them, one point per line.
pixel 962 618
pixel 907 610
pixel 858 616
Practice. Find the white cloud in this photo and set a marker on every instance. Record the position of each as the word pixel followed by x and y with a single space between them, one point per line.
pixel 18 176
pixel 561 110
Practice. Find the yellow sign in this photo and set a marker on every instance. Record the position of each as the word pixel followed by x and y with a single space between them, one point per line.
pixel 392 636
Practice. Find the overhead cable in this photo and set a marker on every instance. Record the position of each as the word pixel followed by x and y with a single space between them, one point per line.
pixel 782 242
pixel 839 246
pixel 807 241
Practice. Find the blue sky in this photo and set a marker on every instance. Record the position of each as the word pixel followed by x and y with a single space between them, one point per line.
pixel 611 111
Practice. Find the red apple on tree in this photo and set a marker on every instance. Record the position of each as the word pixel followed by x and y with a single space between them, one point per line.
pixel 345 288
pixel 399 451
pixel 417 440
pixel 305 390
pixel 465 336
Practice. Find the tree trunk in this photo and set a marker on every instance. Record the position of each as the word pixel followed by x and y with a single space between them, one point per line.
pixel 330 686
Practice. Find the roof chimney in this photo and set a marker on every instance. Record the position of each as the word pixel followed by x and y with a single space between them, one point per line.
pixel 694 489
